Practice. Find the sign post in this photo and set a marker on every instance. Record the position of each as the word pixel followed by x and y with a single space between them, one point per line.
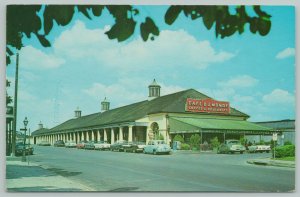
pixel 274 141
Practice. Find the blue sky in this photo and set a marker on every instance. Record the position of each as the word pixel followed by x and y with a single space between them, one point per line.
pixel 255 74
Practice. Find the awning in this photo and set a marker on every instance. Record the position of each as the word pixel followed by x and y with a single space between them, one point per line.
pixel 192 125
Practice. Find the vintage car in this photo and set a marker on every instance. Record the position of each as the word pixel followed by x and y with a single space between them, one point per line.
pixel 259 148
pixel 44 143
pixel 102 145
pixel 119 145
pixel 231 146
pixel 157 147
pixel 135 147
pixel 59 143
pixel 81 144
pixel 90 145
pixel 70 144
pixel 20 148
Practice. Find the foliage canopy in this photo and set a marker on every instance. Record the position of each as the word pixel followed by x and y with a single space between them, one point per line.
pixel 25 20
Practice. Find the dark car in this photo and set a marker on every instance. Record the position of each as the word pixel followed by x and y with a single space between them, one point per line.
pixel 135 147
pixel 90 145
pixel 20 149
pixel 59 143
pixel 119 145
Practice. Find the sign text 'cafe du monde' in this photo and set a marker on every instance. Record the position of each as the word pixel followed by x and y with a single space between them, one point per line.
pixel 207 106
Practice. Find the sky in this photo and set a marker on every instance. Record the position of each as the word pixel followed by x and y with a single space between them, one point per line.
pixel 255 74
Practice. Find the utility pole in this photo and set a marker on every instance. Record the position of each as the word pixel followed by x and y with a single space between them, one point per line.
pixel 14 133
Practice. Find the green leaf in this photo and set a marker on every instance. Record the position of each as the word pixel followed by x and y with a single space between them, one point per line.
pixel 172 14
pixel 122 29
pixel 264 27
pixel 43 40
pixel 97 9
pixel 83 10
pixel 147 28
pixel 209 17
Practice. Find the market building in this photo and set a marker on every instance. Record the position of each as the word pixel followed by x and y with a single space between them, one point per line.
pixel 186 113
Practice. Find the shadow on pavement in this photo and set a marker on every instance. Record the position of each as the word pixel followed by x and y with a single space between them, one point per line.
pixel 63 172
pixel 17 171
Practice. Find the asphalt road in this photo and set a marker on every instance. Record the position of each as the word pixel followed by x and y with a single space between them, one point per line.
pixel 119 171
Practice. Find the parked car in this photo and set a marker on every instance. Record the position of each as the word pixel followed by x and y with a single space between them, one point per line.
pixel 231 146
pixel 44 143
pixel 157 147
pixel 135 147
pixel 119 145
pixel 259 148
pixel 102 145
pixel 59 143
pixel 20 148
pixel 81 144
pixel 70 144
pixel 90 145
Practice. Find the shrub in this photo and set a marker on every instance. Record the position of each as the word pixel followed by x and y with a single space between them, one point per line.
pixel 185 147
pixel 215 142
pixel 243 141
pixel 195 141
pixel 178 138
pixel 288 143
pixel 285 151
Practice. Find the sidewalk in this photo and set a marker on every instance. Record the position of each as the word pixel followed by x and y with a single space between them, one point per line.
pixel 21 177
pixel 272 162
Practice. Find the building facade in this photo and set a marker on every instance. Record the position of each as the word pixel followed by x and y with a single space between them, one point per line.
pixel 186 113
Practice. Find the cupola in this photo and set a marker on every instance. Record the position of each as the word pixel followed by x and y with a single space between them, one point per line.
pixel 40 125
pixel 77 113
pixel 104 105
pixel 154 90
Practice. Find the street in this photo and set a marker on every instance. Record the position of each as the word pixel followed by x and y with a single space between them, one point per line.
pixel 119 171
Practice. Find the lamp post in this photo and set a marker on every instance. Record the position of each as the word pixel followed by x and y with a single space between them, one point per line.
pixel 24 144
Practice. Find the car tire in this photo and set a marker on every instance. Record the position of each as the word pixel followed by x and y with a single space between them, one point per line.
pixel 154 152
pixel 241 152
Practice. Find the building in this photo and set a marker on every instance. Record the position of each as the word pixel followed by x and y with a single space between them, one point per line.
pixel 186 113
pixel 285 129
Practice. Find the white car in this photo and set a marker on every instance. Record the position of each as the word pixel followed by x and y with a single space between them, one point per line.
pixel 259 148
pixel 70 144
pixel 102 145
pixel 157 147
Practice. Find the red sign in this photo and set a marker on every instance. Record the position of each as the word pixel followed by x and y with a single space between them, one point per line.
pixel 207 106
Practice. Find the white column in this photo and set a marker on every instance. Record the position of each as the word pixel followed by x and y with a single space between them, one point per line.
pixel 105 134
pixel 112 135
pixel 129 133
pixel 93 136
pixel 120 133
pixel 98 135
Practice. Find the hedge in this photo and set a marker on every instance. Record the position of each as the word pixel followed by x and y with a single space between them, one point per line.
pixel 285 151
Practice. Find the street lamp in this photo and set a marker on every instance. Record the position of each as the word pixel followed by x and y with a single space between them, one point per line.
pixel 24 144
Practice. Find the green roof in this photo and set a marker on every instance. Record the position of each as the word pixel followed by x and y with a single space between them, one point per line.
pixel 40 131
pixel 192 124
pixel 172 103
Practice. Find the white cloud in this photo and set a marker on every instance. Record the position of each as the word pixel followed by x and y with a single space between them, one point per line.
pixel 170 49
pixel 242 81
pixel 288 52
pixel 239 98
pixel 279 96
pixel 31 57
